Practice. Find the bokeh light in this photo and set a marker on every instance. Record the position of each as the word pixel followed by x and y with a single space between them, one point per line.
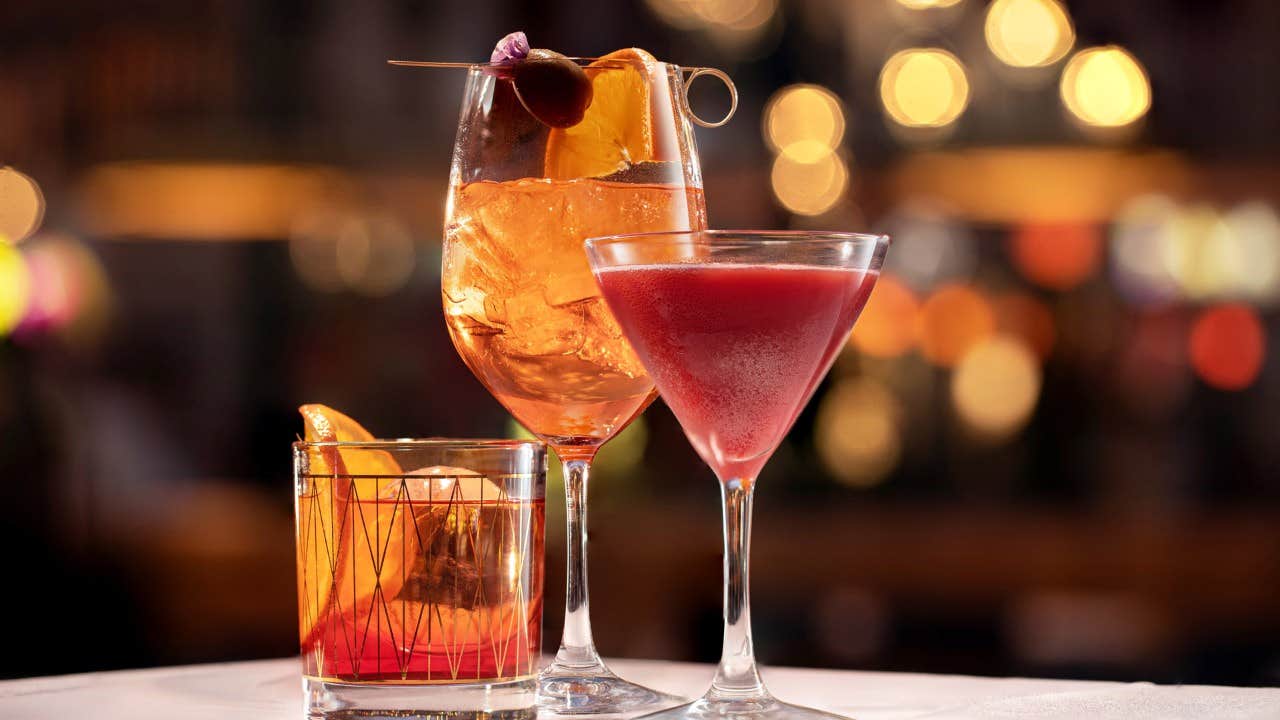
pixel 924 88
pixel 70 294
pixel 373 255
pixel 21 205
pixel 677 13
pixel 858 431
pixel 732 24
pixel 1028 33
pixel 1011 185
pixel 313 250
pixel 1138 252
pixel 809 188
pixel 952 320
pixel 15 287
pixel 1201 252
pixel 804 121
pixel 216 201
pixel 886 327
pixel 1056 256
pixel 995 387
pixel 53 294
pixel 1255 230
pixel 1023 316
pixel 1227 346
pixel 1105 87
pixel 930 245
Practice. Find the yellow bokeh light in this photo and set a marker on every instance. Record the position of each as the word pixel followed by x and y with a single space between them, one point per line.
pixel 676 13
pixel 15 287
pixel 927 4
pixel 1202 253
pixel 803 121
pixel 924 87
pixel 731 23
pixel 809 187
pixel 735 14
pixel 21 205
pixel 1105 87
pixel 1255 227
pixel 858 432
pixel 996 386
pixel 1028 33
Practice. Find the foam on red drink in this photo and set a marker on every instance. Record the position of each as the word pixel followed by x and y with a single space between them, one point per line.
pixel 736 350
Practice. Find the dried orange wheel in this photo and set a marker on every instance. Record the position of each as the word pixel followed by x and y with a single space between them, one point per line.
pixel 618 128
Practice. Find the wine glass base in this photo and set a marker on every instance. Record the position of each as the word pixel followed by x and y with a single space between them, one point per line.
pixel 766 708
pixel 597 693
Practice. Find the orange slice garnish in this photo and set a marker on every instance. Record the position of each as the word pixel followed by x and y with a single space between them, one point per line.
pixel 629 91
pixel 347 561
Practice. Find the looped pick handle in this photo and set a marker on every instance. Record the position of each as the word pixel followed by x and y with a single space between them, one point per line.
pixel 694 74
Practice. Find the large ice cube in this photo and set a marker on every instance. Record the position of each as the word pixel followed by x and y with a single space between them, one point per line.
pixel 442 484
pixel 536 328
pixel 461 524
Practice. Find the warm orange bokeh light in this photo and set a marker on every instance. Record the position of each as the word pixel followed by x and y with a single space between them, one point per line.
pixel 1056 256
pixel 952 320
pixel 1227 346
pixel 1023 316
pixel 887 326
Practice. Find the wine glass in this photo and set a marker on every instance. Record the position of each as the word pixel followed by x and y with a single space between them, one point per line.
pixel 737 328
pixel 523 309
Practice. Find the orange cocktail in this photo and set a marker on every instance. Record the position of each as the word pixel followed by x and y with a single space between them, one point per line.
pixel 525 311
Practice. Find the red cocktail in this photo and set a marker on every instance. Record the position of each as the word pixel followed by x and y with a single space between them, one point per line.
pixel 736 349
pixel 737 329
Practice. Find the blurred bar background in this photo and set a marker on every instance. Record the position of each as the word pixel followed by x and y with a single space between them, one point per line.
pixel 1051 448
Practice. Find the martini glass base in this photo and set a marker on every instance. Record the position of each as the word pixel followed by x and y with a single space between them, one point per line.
pixel 597 692
pixel 764 708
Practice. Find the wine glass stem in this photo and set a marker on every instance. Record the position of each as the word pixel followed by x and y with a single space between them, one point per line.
pixel 577 650
pixel 737 677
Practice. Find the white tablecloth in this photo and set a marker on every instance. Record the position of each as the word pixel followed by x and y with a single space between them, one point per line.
pixel 270 689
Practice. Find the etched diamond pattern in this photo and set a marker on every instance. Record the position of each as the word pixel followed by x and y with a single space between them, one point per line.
pixel 415 590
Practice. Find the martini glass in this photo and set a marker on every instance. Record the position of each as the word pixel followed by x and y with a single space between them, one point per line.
pixel 737 329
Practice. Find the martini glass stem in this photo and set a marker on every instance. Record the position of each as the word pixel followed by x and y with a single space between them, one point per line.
pixel 577 650
pixel 737 677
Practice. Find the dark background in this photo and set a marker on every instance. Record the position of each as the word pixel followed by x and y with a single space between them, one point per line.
pixel 242 213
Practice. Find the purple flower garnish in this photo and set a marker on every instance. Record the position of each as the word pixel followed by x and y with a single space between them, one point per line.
pixel 510 49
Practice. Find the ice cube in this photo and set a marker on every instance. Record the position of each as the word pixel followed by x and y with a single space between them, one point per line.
pixel 441 484
pixel 536 328
pixel 460 528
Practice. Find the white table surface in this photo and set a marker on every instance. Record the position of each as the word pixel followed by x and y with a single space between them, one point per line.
pixel 270 689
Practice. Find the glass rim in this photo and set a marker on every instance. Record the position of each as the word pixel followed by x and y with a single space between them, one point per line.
pixel 418 443
pixel 745 237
